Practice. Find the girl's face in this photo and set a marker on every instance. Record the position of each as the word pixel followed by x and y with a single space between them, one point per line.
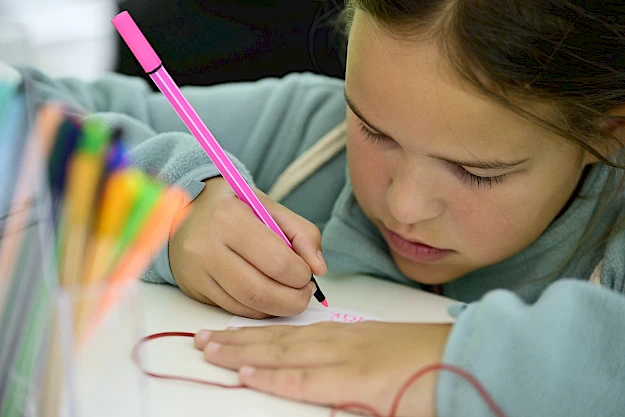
pixel 453 181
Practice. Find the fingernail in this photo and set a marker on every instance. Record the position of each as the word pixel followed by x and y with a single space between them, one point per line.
pixel 202 336
pixel 314 290
pixel 247 371
pixel 213 346
pixel 323 261
pixel 233 328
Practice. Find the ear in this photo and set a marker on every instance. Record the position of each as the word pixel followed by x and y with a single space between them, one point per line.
pixel 614 127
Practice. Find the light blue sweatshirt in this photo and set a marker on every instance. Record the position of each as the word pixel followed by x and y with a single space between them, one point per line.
pixel 550 348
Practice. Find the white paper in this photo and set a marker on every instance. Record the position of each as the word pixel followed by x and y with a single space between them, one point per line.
pixel 314 314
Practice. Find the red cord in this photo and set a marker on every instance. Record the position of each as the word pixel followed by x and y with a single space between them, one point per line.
pixel 137 361
pixel 345 406
pixel 453 369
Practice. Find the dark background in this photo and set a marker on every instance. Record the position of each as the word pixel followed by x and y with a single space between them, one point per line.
pixel 204 42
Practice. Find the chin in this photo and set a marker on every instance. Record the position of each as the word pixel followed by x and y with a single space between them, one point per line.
pixel 423 273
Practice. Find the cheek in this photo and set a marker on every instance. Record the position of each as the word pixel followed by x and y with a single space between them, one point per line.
pixel 481 226
pixel 368 173
pixel 473 216
pixel 493 226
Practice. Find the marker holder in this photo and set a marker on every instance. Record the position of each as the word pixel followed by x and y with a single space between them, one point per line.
pixel 77 369
pixel 44 370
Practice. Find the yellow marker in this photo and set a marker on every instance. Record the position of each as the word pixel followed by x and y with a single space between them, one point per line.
pixel 119 196
pixel 172 206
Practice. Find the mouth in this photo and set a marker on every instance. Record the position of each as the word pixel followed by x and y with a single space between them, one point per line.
pixel 413 249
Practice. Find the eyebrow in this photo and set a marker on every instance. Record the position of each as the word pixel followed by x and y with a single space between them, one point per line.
pixel 493 164
pixel 358 113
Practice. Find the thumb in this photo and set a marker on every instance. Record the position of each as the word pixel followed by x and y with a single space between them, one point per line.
pixel 303 235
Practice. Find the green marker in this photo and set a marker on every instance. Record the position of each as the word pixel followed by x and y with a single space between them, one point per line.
pixel 95 137
pixel 150 194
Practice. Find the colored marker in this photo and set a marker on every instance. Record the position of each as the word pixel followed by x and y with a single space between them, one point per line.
pixel 64 145
pixel 155 231
pixel 152 65
pixel 150 192
pixel 119 195
pixel 117 157
pixel 83 178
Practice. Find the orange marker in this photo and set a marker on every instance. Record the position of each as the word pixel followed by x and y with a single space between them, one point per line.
pixel 120 193
pixel 152 237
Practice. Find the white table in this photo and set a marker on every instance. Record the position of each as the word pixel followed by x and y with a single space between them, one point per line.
pixel 110 385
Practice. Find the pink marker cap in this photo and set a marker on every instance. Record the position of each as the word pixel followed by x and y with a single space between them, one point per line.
pixel 137 43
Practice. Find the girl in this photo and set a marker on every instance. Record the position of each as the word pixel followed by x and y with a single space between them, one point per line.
pixel 483 161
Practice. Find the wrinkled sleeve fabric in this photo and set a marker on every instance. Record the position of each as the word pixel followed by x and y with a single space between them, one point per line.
pixel 561 356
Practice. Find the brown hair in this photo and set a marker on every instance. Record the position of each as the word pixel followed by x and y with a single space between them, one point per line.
pixel 564 55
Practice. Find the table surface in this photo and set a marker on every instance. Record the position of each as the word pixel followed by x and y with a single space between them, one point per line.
pixel 109 384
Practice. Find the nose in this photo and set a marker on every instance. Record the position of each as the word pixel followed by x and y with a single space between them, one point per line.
pixel 412 196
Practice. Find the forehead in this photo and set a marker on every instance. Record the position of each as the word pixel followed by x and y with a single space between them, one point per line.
pixel 406 88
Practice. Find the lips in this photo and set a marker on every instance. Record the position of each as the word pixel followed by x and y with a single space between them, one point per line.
pixel 414 250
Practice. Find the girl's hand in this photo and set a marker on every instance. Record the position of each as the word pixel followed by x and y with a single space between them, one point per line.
pixel 224 255
pixel 335 363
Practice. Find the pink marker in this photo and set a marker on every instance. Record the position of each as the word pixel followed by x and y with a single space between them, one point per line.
pixel 152 65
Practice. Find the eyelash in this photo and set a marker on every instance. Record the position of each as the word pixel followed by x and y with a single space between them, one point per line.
pixel 465 175
pixel 479 181
pixel 371 136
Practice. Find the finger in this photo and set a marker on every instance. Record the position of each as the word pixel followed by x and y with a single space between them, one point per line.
pixel 320 385
pixel 273 355
pixel 263 248
pixel 207 289
pixel 242 336
pixel 252 288
pixel 268 334
pixel 303 235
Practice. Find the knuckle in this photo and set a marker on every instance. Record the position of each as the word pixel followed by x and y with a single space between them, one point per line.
pixel 277 337
pixel 279 265
pixel 188 243
pixel 302 303
pixel 280 352
pixel 300 381
pixel 193 251
pixel 189 293
pixel 363 371
pixel 313 231
pixel 256 298
pixel 223 211
pixel 230 203
pixel 210 355
pixel 258 315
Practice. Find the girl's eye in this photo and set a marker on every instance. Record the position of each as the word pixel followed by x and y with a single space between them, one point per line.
pixel 371 135
pixel 472 179
pixel 478 181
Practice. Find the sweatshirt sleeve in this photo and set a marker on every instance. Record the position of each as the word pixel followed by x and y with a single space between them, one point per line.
pixel 261 125
pixel 562 356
